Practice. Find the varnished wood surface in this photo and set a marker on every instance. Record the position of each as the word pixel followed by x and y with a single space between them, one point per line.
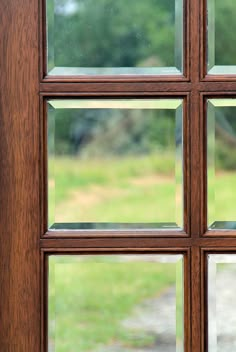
pixel 25 241
pixel 153 243
pixel 19 177
pixel 139 88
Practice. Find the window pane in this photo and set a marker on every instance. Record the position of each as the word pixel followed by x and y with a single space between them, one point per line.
pixel 106 37
pixel 118 303
pixel 221 307
pixel 221 133
pixel 221 37
pixel 115 164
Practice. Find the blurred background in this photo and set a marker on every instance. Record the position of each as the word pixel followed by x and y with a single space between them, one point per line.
pixel 115 163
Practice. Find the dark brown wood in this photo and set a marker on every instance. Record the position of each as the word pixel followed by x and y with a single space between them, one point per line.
pixel 220 88
pixel 195 300
pixel 101 243
pixel 196 166
pixel 23 174
pixel 139 243
pixel 143 88
pixel 115 88
pixel 19 177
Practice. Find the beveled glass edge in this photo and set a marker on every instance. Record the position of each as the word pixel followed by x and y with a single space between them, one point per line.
pixel 175 257
pixel 211 104
pixel 80 226
pixel 179 167
pixel 165 258
pixel 213 69
pixel 210 35
pixel 213 259
pixel 169 103
pixel 222 102
pixel 222 70
pixel 223 226
pixel 119 103
pixel 210 158
pixel 221 258
pixel 179 36
pixel 159 72
pixel 108 71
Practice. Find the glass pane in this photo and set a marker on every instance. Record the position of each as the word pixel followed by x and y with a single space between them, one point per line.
pixel 115 303
pixel 221 307
pixel 107 37
pixel 221 152
pixel 115 164
pixel 221 37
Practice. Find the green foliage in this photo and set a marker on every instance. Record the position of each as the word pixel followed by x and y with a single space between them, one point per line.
pixel 225 32
pixel 221 196
pixel 109 33
pixel 112 132
pixel 72 173
pixel 225 158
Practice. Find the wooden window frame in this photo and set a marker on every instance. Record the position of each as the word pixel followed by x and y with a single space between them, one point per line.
pixel 25 242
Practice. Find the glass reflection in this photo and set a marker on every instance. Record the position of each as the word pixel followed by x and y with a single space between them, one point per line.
pixel 106 37
pixel 221 134
pixel 221 307
pixel 116 303
pixel 221 36
pixel 115 164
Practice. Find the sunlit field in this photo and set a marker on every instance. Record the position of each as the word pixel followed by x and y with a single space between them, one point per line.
pixel 144 189
pixel 134 190
pixel 221 196
pixel 89 300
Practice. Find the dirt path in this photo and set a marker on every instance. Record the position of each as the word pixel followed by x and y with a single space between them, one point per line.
pixel 222 314
pixel 154 317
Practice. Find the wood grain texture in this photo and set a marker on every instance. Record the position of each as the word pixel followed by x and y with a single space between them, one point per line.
pixel 196 300
pixel 142 88
pixel 153 243
pixel 23 174
pixel 19 193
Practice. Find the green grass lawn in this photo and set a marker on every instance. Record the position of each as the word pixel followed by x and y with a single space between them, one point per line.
pixel 222 196
pixel 115 190
pixel 88 299
pixel 145 189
